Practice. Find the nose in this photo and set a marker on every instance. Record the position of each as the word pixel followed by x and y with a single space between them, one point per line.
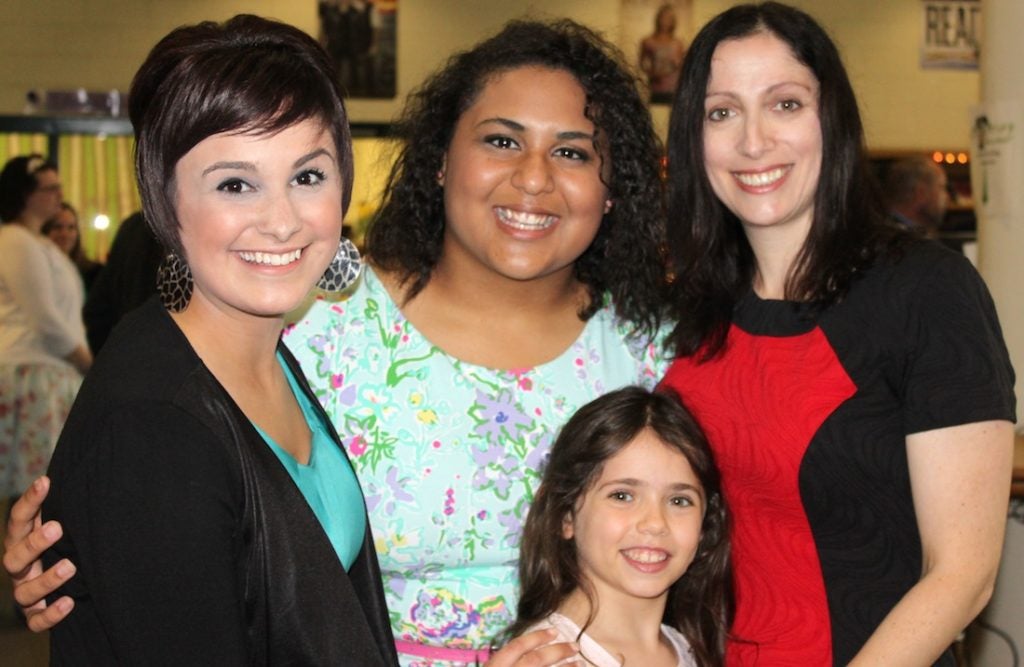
pixel 533 173
pixel 280 220
pixel 652 520
pixel 756 138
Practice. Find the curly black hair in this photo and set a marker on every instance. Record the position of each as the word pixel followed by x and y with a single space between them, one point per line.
pixel 625 259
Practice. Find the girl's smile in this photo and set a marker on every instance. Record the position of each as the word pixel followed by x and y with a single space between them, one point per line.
pixel 637 527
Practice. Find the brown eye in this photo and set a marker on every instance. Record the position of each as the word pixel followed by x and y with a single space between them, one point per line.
pixel 310 177
pixel 234 186
pixel 718 114
pixel 500 141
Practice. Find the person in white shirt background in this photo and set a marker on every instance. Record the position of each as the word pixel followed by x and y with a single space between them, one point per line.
pixel 43 353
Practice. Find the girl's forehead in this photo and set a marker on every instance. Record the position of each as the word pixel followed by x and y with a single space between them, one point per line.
pixel 649 459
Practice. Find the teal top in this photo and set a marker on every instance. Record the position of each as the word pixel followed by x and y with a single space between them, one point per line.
pixel 327 482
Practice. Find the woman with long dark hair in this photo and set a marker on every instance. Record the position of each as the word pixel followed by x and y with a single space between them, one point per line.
pixel 851 377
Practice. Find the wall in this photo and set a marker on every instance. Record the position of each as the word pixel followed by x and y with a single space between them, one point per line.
pixel 98 44
pixel 903 106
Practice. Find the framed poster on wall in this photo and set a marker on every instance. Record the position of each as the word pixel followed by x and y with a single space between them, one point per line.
pixel 360 37
pixel 951 34
pixel 656 34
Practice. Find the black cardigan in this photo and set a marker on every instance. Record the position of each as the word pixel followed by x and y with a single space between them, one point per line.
pixel 193 545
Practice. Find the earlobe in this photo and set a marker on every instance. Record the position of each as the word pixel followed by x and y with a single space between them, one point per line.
pixel 567 532
pixel 441 171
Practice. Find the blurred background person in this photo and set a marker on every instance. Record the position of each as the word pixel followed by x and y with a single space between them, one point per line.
pixel 63 230
pixel 661 56
pixel 43 353
pixel 126 281
pixel 915 190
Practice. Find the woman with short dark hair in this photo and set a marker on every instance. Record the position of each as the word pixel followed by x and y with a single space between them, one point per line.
pixel 205 500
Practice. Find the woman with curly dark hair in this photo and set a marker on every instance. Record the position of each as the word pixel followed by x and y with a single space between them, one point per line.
pixel 408 237
pixel 852 378
pixel 516 275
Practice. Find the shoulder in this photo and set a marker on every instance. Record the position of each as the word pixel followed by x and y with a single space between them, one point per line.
pixel 923 275
pixel 14 238
pixel 148 359
pixel 145 345
pixel 149 392
pixel 922 261
pixel 566 629
pixel 14 234
pixel 613 333
pixel 321 309
pixel 680 644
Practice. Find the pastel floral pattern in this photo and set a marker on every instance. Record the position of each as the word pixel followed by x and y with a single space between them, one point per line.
pixel 34 402
pixel 449 454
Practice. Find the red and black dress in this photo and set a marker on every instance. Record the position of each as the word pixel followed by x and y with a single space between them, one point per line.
pixel 808 415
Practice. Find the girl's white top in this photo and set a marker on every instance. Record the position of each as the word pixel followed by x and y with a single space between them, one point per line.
pixel 596 655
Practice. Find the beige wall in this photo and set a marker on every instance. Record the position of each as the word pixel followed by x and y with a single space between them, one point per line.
pixel 98 44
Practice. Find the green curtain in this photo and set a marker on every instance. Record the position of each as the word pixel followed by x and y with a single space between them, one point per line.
pixel 98 176
pixel 13 145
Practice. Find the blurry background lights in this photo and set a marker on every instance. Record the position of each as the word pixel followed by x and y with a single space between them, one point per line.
pixel 100 222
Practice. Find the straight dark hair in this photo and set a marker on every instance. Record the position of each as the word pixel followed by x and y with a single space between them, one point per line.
pixel 699 604
pixel 246 75
pixel 711 259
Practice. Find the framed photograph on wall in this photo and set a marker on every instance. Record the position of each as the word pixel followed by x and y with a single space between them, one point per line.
pixel 656 33
pixel 360 36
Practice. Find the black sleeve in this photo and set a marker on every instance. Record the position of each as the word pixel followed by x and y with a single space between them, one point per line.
pixel 125 281
pixel 959 370
pixel 151 514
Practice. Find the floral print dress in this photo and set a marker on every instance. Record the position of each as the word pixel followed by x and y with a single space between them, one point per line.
pixel 448 453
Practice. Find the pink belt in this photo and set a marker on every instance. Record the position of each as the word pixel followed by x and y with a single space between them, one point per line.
pixel 469 656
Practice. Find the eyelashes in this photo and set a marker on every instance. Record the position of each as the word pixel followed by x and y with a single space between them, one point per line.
pixel 307 178
pixel 505 142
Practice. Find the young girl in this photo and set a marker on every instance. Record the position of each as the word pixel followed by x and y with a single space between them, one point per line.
pixel 639 572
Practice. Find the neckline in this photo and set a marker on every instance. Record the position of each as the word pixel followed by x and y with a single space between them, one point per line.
pixel 465 367
pixel 590 645
pixel 773 317
pixel 308 412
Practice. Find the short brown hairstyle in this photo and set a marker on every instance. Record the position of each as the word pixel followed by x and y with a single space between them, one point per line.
pixel 246 75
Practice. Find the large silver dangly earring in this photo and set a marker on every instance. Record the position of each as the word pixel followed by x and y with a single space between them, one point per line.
pixel 344 268
pixel 174 283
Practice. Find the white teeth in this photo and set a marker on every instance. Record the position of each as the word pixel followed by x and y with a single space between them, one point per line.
pixel 271 258
pixel 523 220
pixel 646 555
pixel 761 179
